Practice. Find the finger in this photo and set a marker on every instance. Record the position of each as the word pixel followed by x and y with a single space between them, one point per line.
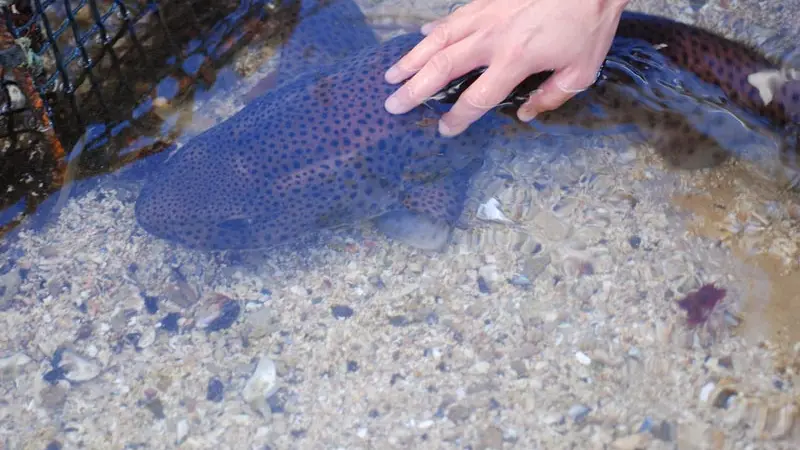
pixel 554 92
pixel 444 66
pixel 485 93
pixel 440 34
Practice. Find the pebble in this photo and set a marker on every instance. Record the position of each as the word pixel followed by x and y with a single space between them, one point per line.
pixel 425 424
pixel 215 391
pixel 552 228
pixel 706 390
pixel 262 322
pixel 583 358
pixel 147 338
pixel 553 419
pixel 578 413
pixel 277 401
pixel 519 367
pixel 663 431
pixel 228 314
pixel 155 406
pixel 519 280
pixel 341 312
pixel 53 397
pixel 638 441
pixel 399 321
pixel 151 304
pixel 536 265
pixel 489 276
pixel 491 438
pixel 77 368
pixel 10 365
pixel 490 211
pixel 261 385
pixel 170 322
pixel 181 431
pixel 181 294
pixel 459 413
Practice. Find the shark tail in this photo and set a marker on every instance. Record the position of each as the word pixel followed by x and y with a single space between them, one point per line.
pixel 746 76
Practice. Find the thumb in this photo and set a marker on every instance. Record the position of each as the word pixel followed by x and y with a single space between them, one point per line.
pixel 554 92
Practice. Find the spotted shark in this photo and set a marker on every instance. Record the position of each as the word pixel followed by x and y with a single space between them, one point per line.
pixel 319 151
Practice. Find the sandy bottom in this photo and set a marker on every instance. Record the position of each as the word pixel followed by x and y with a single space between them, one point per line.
pixel 554 325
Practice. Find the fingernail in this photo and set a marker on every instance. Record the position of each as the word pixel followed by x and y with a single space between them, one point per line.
pixel 393 105
pixel 526 116
pixel 445 129
pixel 427 28
pixel 393 75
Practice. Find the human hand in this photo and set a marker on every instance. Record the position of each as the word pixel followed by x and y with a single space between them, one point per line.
pixel 514 39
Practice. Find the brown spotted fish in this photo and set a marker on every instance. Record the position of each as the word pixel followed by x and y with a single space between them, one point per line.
pixel 320 151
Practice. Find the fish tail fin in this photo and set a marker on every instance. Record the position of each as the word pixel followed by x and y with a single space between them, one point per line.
pixel 744 75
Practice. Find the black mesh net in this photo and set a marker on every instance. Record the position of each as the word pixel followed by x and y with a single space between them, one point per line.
pixel 82 72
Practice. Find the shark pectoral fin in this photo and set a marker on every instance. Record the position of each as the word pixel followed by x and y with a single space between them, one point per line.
pixel 430 210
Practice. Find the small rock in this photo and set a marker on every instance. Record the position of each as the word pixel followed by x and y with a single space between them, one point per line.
pixel 490 211
pixel 228 314
pixel 84 331
pixel 706 390
pixel 578 413
pixel 459 413
pixel 551 226
pixel 341 312
pixel 277 401
pixel 663 431
pixel 10 366
pixel 170 322
pixel 181 294
pixel 262 323
pixel 491 438
pixel 53 397
pixel 488 278
pixel 583 358
pixel 77 368
pixel 147 338
pixel 155 406
pixel 399 321
pixel 520 281
pixel 181 431
pixel 536 265
pixel 151 304
pixel 215 391
pixel 726 362
pixel 262 384
pixel 511 436
pixel 553 419
pixel 54 445
pixel 633 442
pixel 635 242
pixel 520 368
